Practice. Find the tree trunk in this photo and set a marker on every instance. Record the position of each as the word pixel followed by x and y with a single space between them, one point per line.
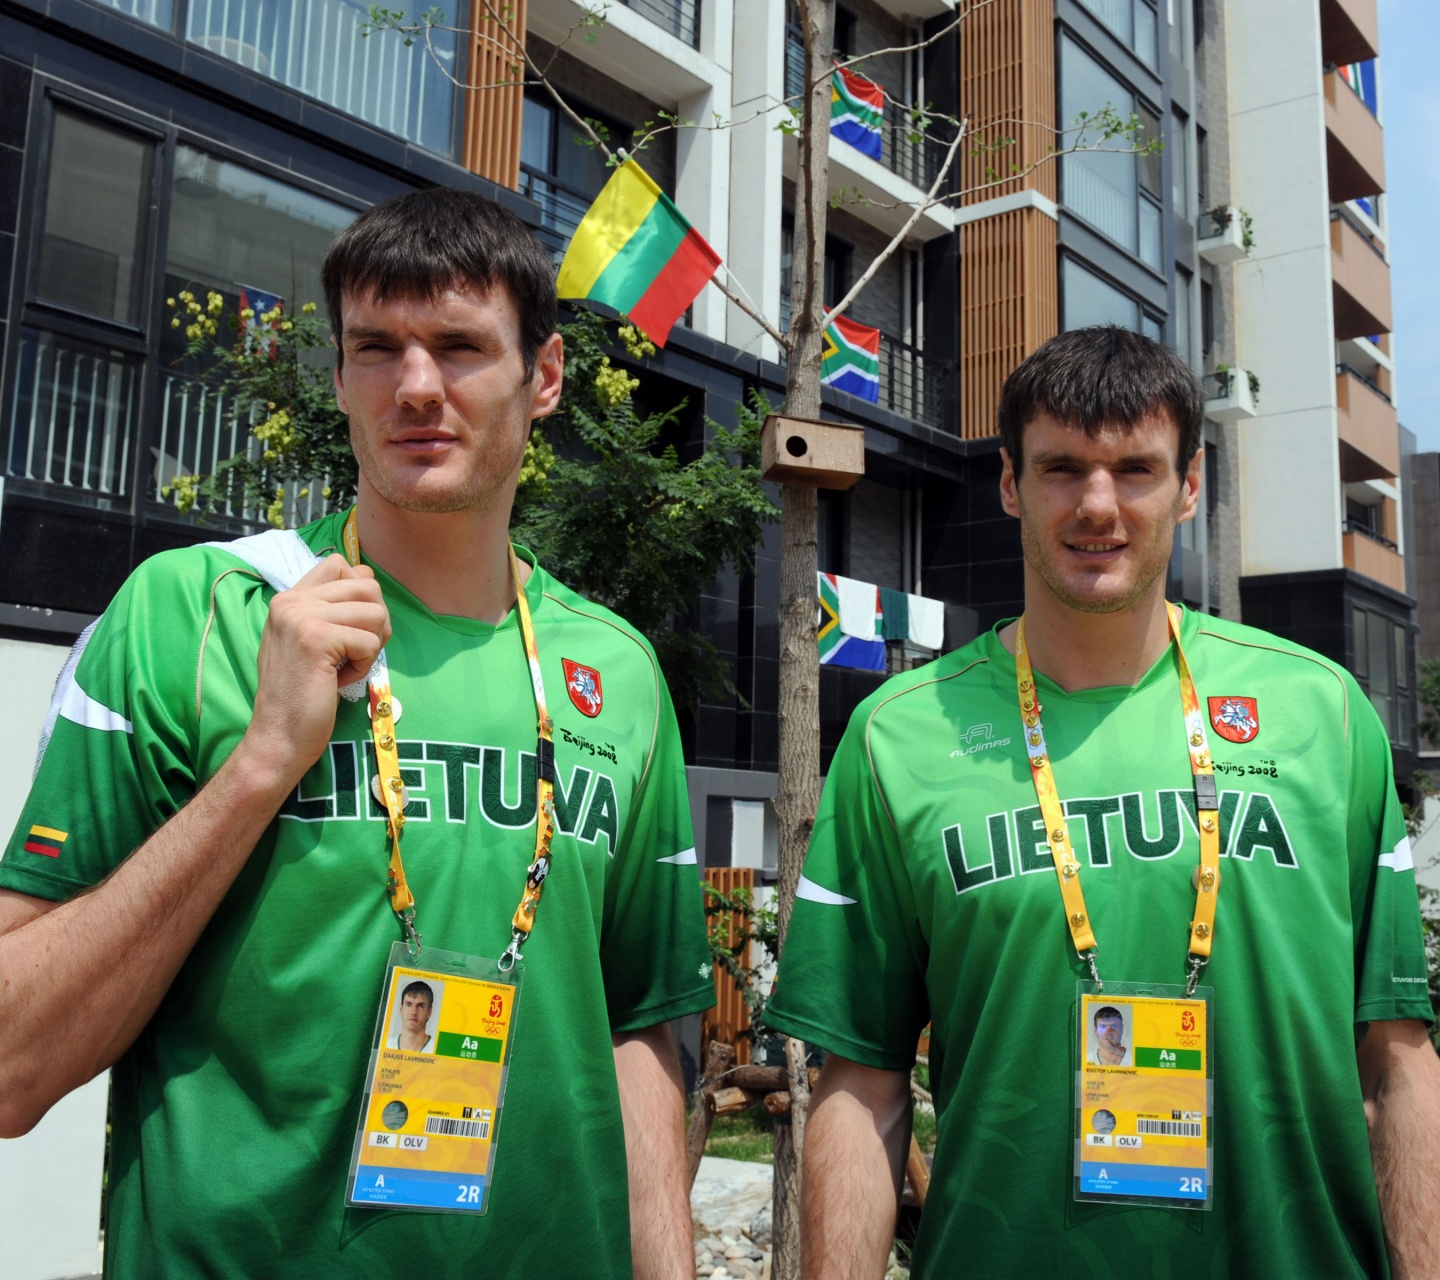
pixel 798 793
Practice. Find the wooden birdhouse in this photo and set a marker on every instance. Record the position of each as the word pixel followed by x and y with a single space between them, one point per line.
pixel 823 455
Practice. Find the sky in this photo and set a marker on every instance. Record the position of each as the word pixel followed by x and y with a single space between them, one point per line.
pixel 1410 109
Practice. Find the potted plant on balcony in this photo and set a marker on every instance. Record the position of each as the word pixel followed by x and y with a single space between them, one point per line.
pixel 1231 394
pixel 1227 234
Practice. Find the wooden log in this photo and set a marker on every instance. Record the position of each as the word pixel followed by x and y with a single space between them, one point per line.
pixel 918 1172
pixel 728 1101
pixel 777 1104
pixel 717 1061
pixel 760 1079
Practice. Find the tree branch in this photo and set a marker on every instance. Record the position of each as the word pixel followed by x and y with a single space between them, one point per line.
pixel 899 237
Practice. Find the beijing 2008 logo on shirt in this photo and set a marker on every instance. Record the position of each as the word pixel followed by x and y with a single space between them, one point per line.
pixel 583 685
pixel 1236 719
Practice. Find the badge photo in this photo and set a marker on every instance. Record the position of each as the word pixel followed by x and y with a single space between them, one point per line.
pixel 582 683
pixel 1236 719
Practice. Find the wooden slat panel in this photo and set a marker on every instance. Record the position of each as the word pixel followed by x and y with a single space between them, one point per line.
pixel 1009 296
pixel 495 101
pixel 729 1020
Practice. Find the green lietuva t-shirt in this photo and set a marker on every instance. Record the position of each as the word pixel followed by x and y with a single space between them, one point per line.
pixel 929 893
pixel 235 1111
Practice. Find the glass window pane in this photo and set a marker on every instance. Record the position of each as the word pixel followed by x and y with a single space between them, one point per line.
pixel 1402 674
pixel 1145 33
pixel 159 13
pixel 258 243
pixel 1184 329
pixel 537 135
pixel 1361 641
pixel 1099 186
pixel 1180 165
pixel 1151 328
pixel 315 47
pixel 1115 14
pixel 1150 234
pixel 1382 653
pixel 95 201
pixel 1150 163
pixel 1090 300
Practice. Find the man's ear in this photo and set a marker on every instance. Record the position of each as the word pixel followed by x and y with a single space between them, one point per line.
pixel 1190 484
pixel 549 377
pixel 1009 497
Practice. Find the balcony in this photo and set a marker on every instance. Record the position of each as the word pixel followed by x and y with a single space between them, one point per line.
pixel 681 18
pixel 1231 395
pixel 649 46
pixel 1360 279
pixel 315 47
pixel 1372 554
pixel 1369 429
pixel 1354 143
pixel 912 384
pixel 1225 235
pixel 1349 31
pixel 916 162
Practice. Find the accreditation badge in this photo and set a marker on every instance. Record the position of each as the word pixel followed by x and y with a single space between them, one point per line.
pixel 1144 1110
pixel 431 1113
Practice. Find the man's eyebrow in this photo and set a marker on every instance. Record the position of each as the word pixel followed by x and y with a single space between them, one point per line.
pixel 1052 457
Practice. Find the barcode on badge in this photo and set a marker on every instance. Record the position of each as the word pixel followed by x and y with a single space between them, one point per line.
pixel 1169 1128
pixel 457 1128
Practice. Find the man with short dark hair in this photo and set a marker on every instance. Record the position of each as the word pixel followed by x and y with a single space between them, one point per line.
pixel 417 1003
pixel 230 967
pixel 1188 806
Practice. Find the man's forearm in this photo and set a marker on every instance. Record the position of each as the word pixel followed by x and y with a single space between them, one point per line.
pixel 652 1105
pixel 856 1141
pixel 1401 1077
pixel 80 980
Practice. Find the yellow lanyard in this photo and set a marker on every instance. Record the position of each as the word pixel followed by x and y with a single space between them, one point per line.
pixel 392 788
pixel 1067 869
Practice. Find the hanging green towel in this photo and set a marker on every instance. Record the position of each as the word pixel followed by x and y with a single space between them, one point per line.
pixel 895 608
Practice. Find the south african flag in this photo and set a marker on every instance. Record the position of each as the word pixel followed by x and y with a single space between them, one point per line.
pixel 836 648
pixel 851 359
pixel 857 111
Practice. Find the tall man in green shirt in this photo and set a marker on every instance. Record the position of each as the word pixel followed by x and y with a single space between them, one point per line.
pixel 229 968
pixel 930 893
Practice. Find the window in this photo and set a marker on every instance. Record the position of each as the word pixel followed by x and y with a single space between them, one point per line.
pixel 1104 186
pixel 1180 167
pixel 159 13
pixel 1382 666
pixel 96 219
pixel 1090 300
pixel 837 268
pixel 1184 328
pixel 255 241
pixel 560 168
pixel 99 412
pixel 315 47
pixel 1133 21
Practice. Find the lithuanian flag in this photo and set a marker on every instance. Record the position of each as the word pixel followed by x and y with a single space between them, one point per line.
pixel 46 841
pixel 635 252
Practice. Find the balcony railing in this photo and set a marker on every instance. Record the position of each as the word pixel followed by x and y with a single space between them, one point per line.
pixel 912 384
pixel 315 47
pixel 74 414
pixel 681 18
pixel 196 434
pixel 561 207
pixel 917 162
pixel 1365 531
pixel 1343 368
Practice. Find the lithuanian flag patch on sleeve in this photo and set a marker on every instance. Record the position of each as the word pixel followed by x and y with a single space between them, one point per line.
pixel 46 841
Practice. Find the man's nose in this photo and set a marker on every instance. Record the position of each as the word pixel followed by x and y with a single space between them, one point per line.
pixel 420 385
pixel 1097 497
